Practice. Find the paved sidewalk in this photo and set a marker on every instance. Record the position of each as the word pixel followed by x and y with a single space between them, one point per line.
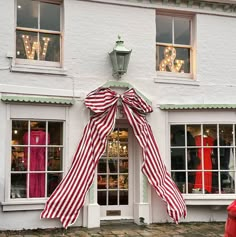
pixel 213 229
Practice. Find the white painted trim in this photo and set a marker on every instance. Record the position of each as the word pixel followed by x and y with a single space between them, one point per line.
pixel 176 80
pixel 38 69
pixel 22 206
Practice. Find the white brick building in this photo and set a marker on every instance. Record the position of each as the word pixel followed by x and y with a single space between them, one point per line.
pixel 45 94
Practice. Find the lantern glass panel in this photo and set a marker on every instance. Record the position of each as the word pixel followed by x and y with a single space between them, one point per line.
pixel 120 61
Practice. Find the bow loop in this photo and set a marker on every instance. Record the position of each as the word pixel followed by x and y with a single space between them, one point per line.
pixel 134 101
pixel 101 99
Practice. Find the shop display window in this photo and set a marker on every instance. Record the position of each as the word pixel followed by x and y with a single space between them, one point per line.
pixel 36 158
pixel 38 32
pixel 203 158
pixel 112 171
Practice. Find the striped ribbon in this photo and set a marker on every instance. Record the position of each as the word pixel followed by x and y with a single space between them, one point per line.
pixel 69 196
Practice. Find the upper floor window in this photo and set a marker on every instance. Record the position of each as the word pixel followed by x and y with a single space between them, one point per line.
pixel 203 158
pixel 173 44
pixel 38 32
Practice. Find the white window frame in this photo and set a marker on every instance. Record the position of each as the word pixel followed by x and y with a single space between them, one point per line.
pixel 172 77
pixel 30 112
pixel 202 117
pixel 38 66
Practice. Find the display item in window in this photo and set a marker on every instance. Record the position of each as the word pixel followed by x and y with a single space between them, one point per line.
pixel 205 164
pixel 36 160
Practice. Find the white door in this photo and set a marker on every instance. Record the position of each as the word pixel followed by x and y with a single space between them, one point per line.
pixel 115 176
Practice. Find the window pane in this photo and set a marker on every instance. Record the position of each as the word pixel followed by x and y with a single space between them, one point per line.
pixel 112 198
pixel 55 155
pixel 191 181
pixel 49 16
pixel 183 59
pixel 226 134
pixel 177 158
pixel 27 13
pixel 38 126
pixel 181 31
pixel 102 181
pixel 123 150
pixel 26 45
pixel 53 181
pixel 124 198
pixel 112 165
pixel 49 47
pixel 193 130
pixel 123 182
pixel 55 129
pixel 18 185
pixel 180 180
pixel 193 159
pixel 163 29
pixel 177 135
pixel 19 128
pixel 36 185
pixel 102 166
pixel 173 59
pixel 113 181
pixel 102 198
pixel 124 166
pixel 18 162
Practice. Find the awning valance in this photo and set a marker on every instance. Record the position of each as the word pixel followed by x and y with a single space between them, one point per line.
pixel 35 99
pixel 196 106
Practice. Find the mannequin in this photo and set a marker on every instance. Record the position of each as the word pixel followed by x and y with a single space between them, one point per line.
pixel 205 163
pixel 36 160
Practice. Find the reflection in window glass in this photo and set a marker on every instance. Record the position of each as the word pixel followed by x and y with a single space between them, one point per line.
pixel 32 157
pixel 27 13
pixel 207 159
pixel 49 16
pixel 181 31
pixel 163 29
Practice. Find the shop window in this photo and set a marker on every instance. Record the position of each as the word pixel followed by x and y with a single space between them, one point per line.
pixel 173 44
pixel 36 158
pixel 38 32
pixel 203 158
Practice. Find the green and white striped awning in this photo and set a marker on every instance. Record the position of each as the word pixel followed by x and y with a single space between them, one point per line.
pixel 36 99
pixel 196 106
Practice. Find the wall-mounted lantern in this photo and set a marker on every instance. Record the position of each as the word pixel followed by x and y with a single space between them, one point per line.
pixel 120 58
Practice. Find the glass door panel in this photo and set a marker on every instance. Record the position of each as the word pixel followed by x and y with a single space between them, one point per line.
pixel 113 174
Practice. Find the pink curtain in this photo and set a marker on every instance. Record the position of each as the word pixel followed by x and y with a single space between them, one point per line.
pixel 68 198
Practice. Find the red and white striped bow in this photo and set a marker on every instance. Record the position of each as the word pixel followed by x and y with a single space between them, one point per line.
pixel 69 197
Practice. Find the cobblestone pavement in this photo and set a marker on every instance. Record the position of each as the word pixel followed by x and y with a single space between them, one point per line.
pixel 212 229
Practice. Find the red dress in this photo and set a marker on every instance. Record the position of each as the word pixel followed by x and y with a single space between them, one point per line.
pixel 205 164
pixel 37 162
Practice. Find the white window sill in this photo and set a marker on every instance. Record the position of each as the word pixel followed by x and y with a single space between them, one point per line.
pixel 175 78
pixel 23 205
pixel 209 199
pixel 38 69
